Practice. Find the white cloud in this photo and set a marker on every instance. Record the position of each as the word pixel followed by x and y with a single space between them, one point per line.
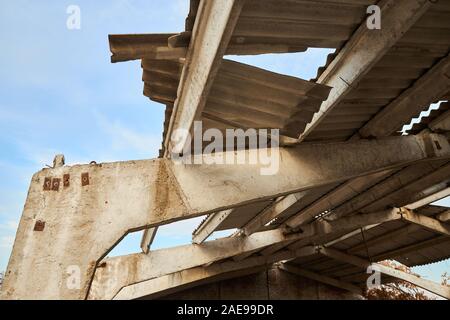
pixel 6 242
pixel 123 138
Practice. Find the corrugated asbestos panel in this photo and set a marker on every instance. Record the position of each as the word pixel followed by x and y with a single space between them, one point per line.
pixel 246 96
pixel 272 26
pixel 426 43
pixel 251 97
pixel 425 121
pixel 263 27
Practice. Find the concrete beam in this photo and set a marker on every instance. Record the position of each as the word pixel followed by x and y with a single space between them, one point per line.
pixel 321 278
pixel 136 268
pixel 426 222
pixel 336 197
pixel 65 227
pixel 139 46
pixel 174 282
pixel 271 212
pixel 147 239
pixel 364 50
pixel 212 32
pixel 444 216
pixel 442 123
pixel 429 88
pixel 207 227
pixel 430 199
pixel 438 289
pixel 392 254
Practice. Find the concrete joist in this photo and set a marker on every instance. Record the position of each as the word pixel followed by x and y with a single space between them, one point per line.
pixel 441 290
pixel 428 89
pixel 131 269
pixel 363 51
pixel 212 32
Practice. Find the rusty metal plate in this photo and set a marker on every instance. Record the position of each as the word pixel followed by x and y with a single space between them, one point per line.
pixel 85 179
pixel 55 184
pixel 66 180
pixel 39 225
pixel 47 184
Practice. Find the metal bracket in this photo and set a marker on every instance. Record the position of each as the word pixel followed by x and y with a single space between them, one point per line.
pixel 85 179
pixel 39 225
pixel 66 180
pixel 55 184
pixel 47 184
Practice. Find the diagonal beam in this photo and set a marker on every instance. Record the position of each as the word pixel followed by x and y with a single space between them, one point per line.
pixel 336 197
pixel 431 224
pixel 156 265
pixel 442 123
pixel 174 282
pixel 212 32
pixel 393 254
pixel 431 198
pixel 429 88
pixel 139 46
pixel 271 212
pixel 321 278
pixel 364 50
pixel 441 290
pixel 209 226
pixel 136 268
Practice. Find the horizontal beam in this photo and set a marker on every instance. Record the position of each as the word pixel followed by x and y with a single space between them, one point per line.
pixel 363 51
pixel 441 290
pixel 321 278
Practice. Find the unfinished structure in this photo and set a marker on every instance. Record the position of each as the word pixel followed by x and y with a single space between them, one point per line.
pixel 351 190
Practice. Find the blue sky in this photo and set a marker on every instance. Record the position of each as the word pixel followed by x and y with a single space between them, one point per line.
pixel 59 93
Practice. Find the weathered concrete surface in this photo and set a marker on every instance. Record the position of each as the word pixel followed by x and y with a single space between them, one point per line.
pixel 271 284
pixel 139 268
pixel 83 222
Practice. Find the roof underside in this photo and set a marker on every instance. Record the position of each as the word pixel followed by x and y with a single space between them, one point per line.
pixel 244 96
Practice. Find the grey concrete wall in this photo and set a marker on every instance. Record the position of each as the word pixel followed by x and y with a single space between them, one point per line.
pixel 272 284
